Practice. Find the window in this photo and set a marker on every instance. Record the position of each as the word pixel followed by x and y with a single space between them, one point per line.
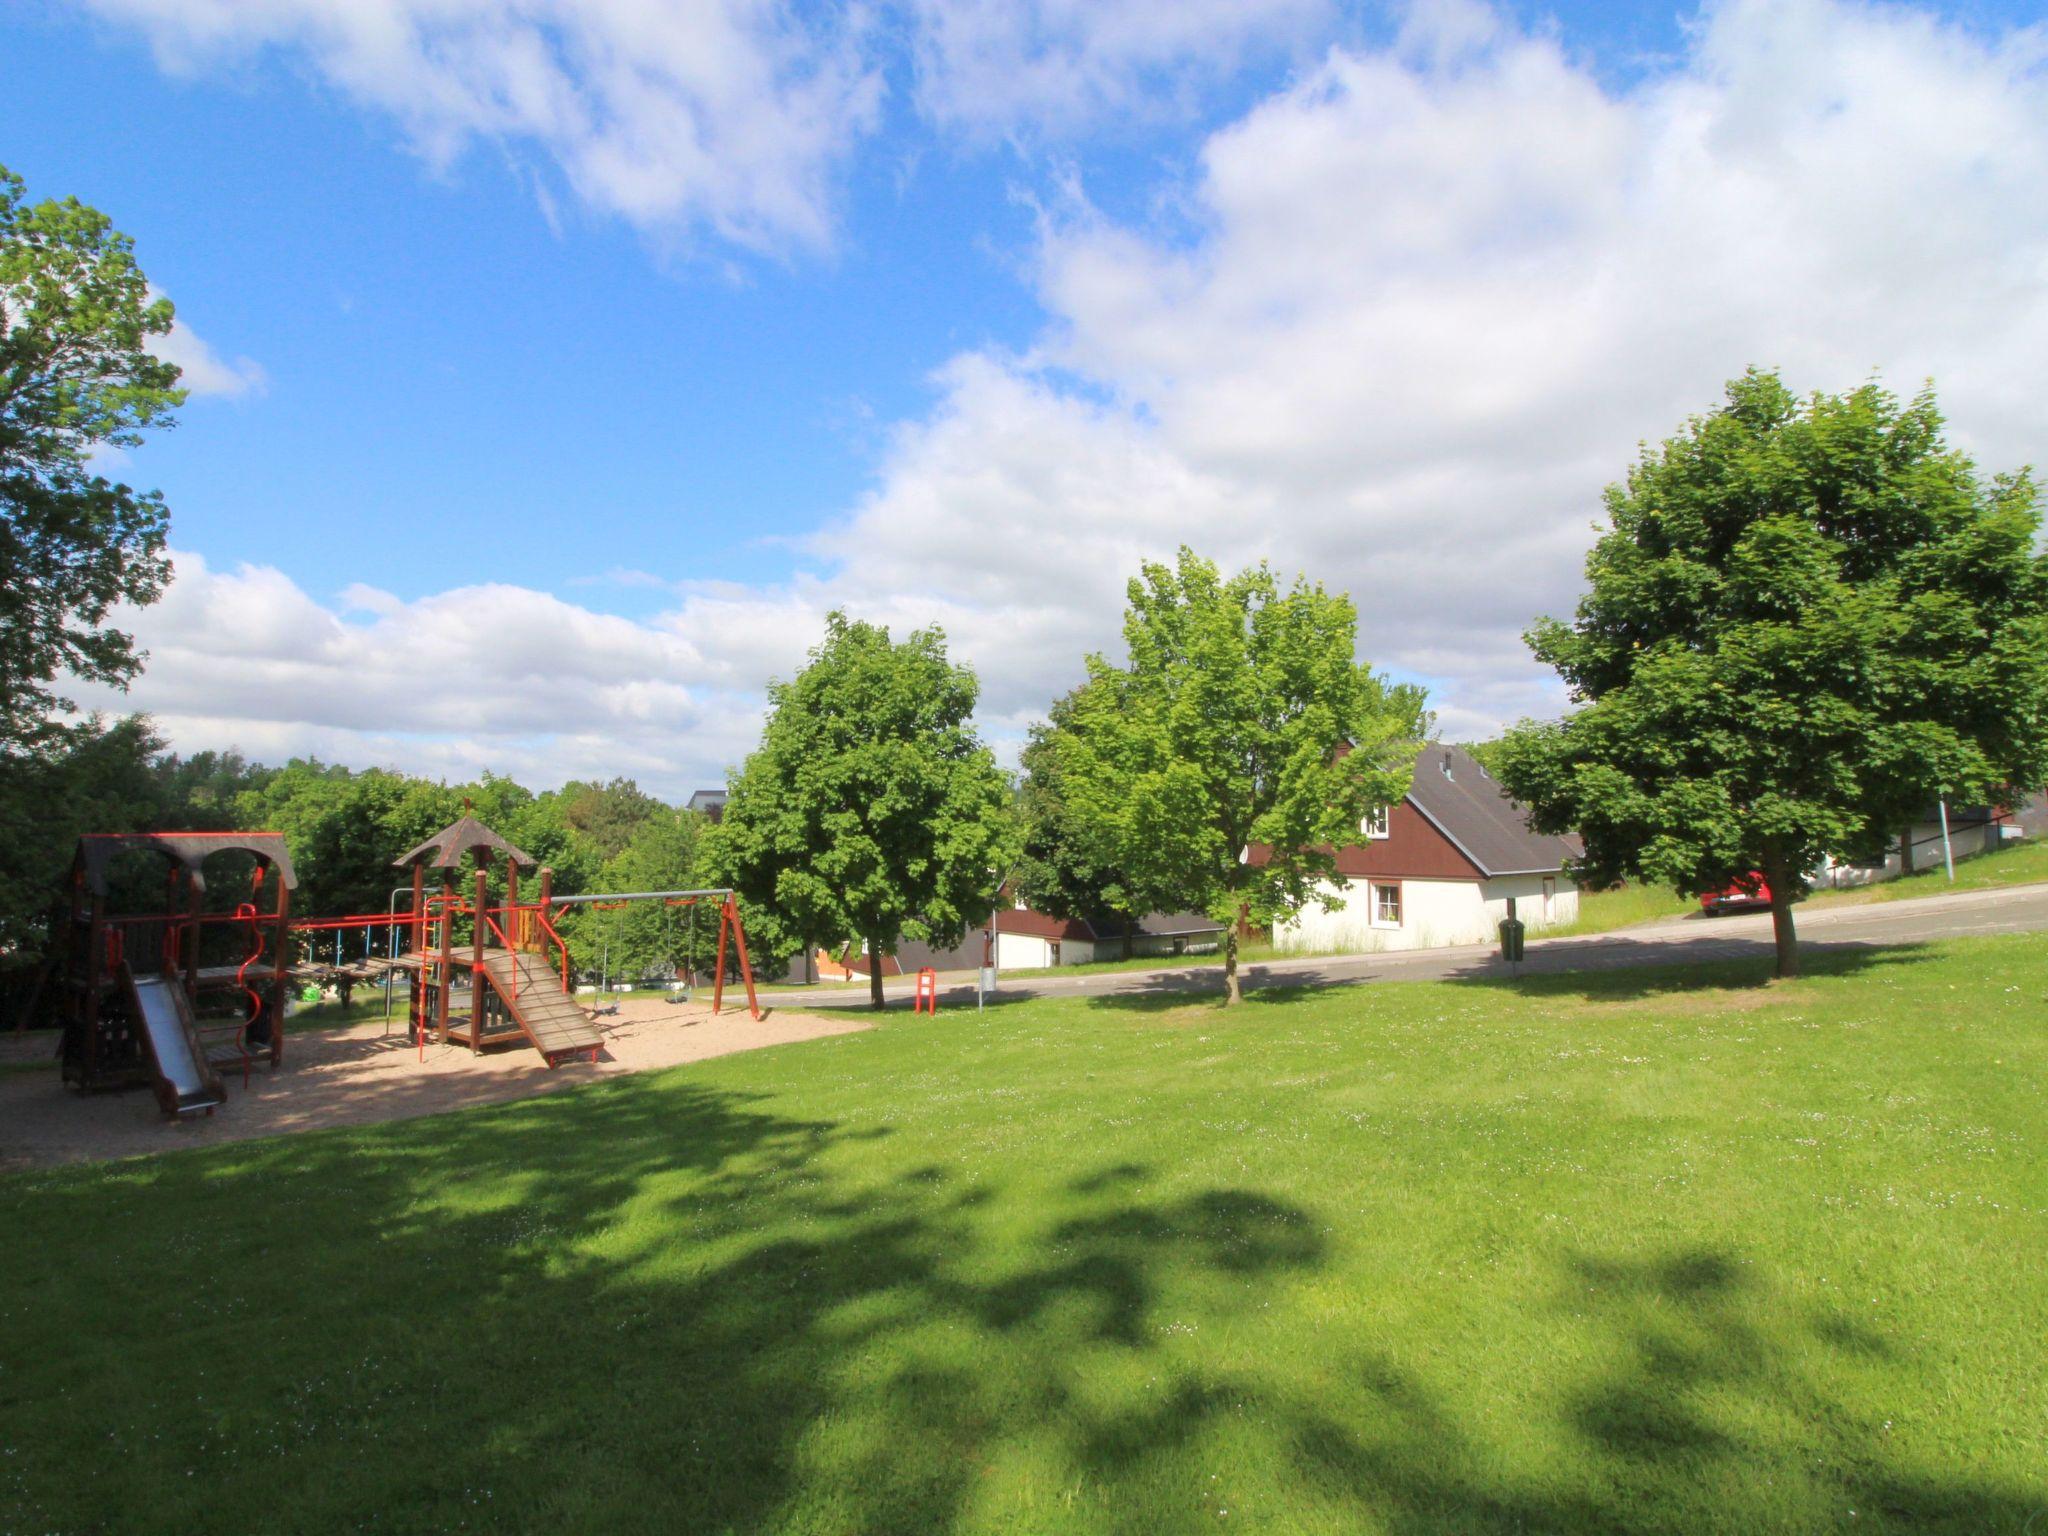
pixel 1386 905
pixel 1375 823
pixel 1549 898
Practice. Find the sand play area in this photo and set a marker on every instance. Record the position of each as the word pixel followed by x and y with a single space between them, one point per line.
pixel 359 1074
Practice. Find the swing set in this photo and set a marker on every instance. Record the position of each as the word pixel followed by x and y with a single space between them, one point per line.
pixel 684 982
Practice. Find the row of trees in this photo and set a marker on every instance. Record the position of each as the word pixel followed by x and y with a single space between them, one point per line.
pixel 1240 716
pixel 1805 620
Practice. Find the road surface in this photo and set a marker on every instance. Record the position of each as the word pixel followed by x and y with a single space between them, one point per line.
pixel 1676 941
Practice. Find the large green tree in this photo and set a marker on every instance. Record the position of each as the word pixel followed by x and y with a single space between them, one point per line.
pixel 1241 722
pixel 1805 621
pixel 76 378
pixel 1073 864
pixel 871 808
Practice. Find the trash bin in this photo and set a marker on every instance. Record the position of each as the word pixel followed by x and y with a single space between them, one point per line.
pixel 1511 940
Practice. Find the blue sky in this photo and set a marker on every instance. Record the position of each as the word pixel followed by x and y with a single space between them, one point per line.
pixel 966 309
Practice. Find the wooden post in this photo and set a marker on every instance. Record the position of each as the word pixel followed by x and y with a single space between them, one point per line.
pixel 195 900
pixel 718 976
pixel 281 941
pixel 95 970
pixel 476 970
pixel 416 1011
pixel 513 934
pixel 547 896
pixel 739 939
pixel 445 971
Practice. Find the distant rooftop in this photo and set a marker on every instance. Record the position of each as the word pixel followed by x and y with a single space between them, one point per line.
pixel 709 802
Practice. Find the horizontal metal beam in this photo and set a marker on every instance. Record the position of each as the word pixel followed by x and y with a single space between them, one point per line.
pixel 582 901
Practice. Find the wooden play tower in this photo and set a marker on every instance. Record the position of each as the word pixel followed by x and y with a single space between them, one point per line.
pixel 484 975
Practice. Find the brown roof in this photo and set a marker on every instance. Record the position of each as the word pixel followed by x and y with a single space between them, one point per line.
pixel 1465 804
pixel 1038 925
pixel 1154 925
pixel 448 846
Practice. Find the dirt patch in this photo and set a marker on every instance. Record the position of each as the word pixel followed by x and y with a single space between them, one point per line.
pixel 360 1075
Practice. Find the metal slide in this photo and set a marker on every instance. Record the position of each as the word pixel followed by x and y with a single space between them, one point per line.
pixel 185 1080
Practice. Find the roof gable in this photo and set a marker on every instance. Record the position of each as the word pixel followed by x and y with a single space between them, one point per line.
pixel 1464 802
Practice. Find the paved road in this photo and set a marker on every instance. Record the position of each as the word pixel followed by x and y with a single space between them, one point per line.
pixel 2019 909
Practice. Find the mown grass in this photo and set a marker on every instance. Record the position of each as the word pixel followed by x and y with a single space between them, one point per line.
pixel 1623 907
pixel 1651 1251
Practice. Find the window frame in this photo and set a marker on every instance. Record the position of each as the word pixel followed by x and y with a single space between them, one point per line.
pixel 1373 889
pixel 1378 825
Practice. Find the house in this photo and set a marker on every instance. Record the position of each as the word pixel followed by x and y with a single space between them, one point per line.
pixel 708 803
pixel 1032 940
pixel 1971 830
pixel 911 956
pixel 1439 868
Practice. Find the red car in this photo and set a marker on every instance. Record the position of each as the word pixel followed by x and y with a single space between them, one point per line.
pixel 1744 894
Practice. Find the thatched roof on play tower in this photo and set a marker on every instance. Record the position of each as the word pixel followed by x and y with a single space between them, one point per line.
pixel 447 848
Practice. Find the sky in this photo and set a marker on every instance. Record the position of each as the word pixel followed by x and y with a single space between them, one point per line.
pixel 557 365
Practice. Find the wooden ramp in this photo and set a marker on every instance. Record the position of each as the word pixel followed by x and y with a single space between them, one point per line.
pixel 531 994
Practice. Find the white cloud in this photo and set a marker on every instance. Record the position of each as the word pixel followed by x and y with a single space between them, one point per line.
pixel 1435 295
pixel 1425 303
pixel 202 370
pixel 730 114
pixel 1058 66
pixel 489 676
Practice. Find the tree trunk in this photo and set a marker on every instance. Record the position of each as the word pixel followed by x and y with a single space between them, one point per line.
pixel 1233 994
pixel 875 974
pixel 1128 924
pixel 1779 876
pixel 1906 850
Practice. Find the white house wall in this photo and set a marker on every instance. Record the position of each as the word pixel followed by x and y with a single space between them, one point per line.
pixel 1023 952
pixel 1434 913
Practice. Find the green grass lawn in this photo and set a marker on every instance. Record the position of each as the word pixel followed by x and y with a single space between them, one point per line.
pixel 1623 907
pixel 1637 1252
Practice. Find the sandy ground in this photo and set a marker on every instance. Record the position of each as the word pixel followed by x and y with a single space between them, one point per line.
pixel 359 1075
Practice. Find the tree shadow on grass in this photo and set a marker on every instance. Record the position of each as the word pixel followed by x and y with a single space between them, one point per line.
pixel 1640 982
pixel 653 1305
pixel 1625 973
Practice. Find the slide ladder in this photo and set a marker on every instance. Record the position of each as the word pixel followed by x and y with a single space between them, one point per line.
pixel 186 1082
pixel 532 995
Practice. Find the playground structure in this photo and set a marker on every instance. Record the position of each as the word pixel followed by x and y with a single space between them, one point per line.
pixel 170 997
pixel 142 1005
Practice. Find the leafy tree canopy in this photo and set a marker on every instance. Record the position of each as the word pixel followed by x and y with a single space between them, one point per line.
pixel 1805 621
pixel 871 809
pixel 76 377
pixel 1071 864
pixel 1242 723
